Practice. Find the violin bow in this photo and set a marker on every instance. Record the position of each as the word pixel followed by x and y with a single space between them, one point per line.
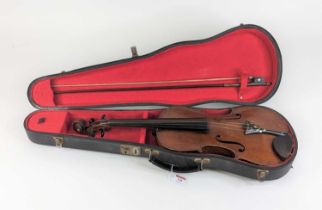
pixel 158 85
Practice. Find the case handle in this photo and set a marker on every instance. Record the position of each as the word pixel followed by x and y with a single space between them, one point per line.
pixel 173 167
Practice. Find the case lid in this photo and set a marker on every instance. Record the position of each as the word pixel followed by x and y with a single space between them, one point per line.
pixel 240 66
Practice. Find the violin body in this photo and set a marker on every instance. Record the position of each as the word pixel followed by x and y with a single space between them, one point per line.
pixel 226 135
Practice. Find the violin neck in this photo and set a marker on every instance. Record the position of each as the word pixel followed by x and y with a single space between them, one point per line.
pixel 190 124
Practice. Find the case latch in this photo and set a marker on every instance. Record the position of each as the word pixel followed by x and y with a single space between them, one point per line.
pixel 261 174
pixel 202 161
pixel 151 152
pixel 130 150
pixel 59 141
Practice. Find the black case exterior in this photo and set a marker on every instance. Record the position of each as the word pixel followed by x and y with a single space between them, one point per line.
pixel 163 158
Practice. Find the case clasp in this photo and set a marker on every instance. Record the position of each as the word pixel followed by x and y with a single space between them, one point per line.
pixel 130 150
pixel 151 152
pixel 59 141
pixel 261 174
pixel 202 161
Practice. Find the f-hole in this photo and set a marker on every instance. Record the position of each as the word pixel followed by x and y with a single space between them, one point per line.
pixel 218 151
pixel 241 147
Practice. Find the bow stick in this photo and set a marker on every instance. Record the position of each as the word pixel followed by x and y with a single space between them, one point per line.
pixel 159 85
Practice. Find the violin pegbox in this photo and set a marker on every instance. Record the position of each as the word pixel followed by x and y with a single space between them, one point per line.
pixel 92 127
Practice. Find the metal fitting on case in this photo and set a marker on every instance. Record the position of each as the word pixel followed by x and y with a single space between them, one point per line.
pixel 59 141
pixel 261 174
pixel 130 150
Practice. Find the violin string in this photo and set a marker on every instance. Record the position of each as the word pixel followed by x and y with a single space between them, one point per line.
pixel 220 122
pixel 232 129
pixel 228 124
pixel 211 122
pixel 225 123
pixel 225 126
pixel 219 125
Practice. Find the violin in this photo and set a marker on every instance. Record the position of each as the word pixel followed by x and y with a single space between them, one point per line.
pixel 252 134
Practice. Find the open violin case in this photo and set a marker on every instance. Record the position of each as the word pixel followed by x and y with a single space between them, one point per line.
pixel 241 56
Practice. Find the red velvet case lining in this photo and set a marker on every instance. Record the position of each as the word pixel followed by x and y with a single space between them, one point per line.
pixel 59 122
pixel 241 52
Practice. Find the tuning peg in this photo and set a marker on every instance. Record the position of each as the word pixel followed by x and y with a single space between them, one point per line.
pixel 91 121
pixel 90 131
pixel 102 132
pixel 79 126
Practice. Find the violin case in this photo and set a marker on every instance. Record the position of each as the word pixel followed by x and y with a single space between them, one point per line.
pixel 242 51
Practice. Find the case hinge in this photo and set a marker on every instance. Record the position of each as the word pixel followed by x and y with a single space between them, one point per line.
pixel 130 150
pixel 59 141
pixel 134 52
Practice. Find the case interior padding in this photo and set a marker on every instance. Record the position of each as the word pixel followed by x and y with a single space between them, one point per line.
pixel 60 121
pixel 242 52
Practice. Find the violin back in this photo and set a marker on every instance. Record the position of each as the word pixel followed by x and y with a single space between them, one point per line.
pixel 241 66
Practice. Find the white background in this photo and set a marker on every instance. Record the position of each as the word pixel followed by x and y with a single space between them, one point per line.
pixel 44 37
